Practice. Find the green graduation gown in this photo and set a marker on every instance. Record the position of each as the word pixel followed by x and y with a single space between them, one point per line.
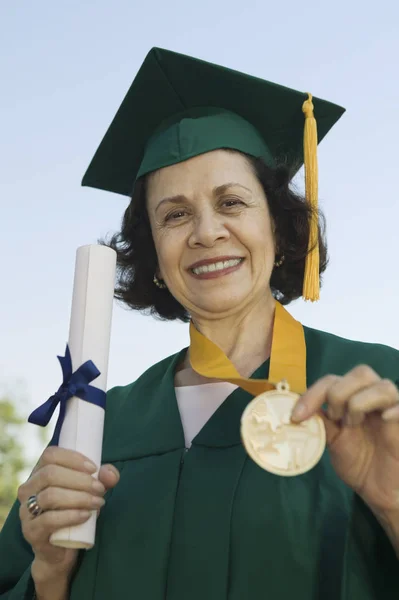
pixel 208 523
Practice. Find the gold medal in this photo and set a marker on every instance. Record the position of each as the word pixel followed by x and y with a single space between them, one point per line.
pixel 271 440
pixel 276 444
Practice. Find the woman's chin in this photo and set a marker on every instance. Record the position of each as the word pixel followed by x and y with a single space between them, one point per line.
pixel 216 303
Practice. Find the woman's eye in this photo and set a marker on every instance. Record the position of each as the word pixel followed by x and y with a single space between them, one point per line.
pixel 231 202
pixel 177 214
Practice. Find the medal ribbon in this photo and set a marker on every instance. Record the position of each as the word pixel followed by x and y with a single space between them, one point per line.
pixel 287 359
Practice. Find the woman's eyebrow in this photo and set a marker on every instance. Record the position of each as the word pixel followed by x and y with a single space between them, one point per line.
pixel 178 199
pixel 217 191
pixel 221 189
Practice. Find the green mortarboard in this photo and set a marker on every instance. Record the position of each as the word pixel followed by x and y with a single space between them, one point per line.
pixel 193 107
pixel 179 107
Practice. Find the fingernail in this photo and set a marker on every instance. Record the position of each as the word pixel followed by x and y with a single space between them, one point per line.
pixel 97 502
pixel 299 411
pixel 391 414
pixel 97 486
pixel 90 467
pixel 113 471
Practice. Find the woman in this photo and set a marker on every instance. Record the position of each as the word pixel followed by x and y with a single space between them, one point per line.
pixel 214 233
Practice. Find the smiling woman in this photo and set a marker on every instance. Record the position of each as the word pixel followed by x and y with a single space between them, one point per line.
pixel 288 212
pixel 212 494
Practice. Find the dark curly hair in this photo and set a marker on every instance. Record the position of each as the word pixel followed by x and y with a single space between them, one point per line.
pixel 137 259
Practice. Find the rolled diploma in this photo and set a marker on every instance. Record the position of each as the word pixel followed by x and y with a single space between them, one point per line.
pixel 89 338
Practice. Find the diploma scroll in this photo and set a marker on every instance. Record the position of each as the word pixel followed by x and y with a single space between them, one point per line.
pixel 89 339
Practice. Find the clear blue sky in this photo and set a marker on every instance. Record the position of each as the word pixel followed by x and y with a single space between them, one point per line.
pixel 66 67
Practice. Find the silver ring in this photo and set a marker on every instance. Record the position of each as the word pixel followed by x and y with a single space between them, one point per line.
pixel 33 506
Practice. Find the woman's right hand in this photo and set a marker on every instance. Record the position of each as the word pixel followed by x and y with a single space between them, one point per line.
pixel 67 492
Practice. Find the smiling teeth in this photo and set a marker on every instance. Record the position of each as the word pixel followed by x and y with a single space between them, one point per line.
pixel 218 266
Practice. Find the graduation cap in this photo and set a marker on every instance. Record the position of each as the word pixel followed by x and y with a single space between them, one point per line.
pixel 179 107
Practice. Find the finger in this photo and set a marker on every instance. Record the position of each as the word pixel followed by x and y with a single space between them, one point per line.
pixel 333 429
pixel 353 419
pixel 54 498
pixel 57 476
pixel 392 414
pixel 378 397
pixel 334 391
pixel 341 393
pixel 38 530
pixel 109 476
pixel 313 399
pixel 66 458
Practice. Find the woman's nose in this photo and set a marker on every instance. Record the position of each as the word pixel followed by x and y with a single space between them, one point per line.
pixel 208 229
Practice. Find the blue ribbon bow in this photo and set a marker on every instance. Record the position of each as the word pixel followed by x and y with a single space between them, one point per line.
pixel 73 384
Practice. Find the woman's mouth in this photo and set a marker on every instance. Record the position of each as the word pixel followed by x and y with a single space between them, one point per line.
pixel 215 269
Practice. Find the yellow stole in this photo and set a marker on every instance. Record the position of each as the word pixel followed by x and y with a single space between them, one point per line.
pixel 287 359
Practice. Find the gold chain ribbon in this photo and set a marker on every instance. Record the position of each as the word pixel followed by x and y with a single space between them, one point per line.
pixel 287 359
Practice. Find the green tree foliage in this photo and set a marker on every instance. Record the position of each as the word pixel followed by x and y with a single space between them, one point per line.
pixel 12 460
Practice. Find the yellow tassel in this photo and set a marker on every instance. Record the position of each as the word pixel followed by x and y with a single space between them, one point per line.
pixel 311 281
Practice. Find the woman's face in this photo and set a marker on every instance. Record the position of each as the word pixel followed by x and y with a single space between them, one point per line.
pixel 212 232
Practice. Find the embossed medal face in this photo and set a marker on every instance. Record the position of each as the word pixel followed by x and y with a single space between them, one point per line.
pixel 276 444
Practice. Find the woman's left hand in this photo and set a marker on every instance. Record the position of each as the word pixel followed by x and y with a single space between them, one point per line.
pixel 364 447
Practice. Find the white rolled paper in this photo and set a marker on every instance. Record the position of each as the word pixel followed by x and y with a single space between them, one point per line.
pixel 89 338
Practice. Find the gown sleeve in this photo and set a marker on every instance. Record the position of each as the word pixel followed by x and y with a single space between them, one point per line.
pixel 372 565
pixel 16 557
